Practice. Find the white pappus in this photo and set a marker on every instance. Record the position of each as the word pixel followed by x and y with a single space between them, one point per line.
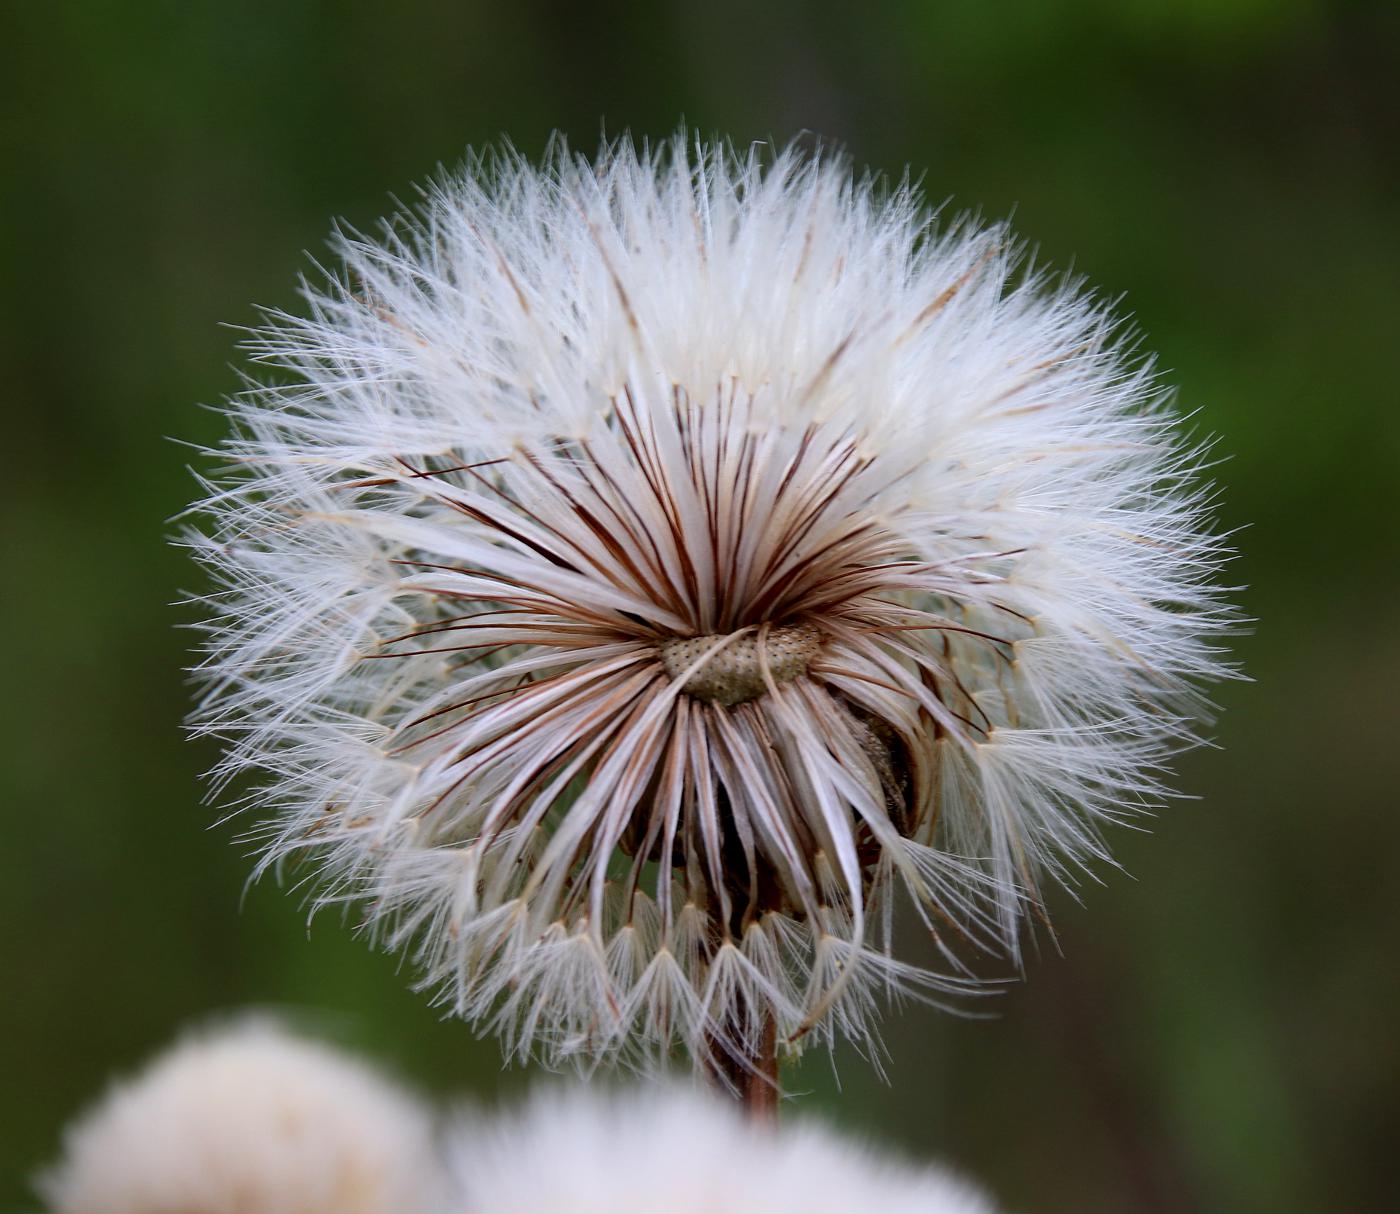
pixel 250 1117
pixel 634 573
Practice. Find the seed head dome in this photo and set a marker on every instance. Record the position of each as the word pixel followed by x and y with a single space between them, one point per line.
pixel 633 575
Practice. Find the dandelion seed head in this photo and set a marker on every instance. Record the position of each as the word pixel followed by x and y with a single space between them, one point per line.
pixel 633 575
pixel 249 1118
pixel 683 1152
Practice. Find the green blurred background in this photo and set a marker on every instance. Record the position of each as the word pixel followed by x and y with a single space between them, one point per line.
pixel 1220 1030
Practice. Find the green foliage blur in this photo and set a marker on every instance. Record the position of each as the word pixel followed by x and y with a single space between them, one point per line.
pixel 1216 1031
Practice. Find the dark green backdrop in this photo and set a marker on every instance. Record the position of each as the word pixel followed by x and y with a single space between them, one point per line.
pixel 1220 1029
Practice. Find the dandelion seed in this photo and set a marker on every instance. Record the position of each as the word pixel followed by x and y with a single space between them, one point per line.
pixel 633 575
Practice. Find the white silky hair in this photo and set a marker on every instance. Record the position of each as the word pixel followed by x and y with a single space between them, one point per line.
pixel 250 1118
pixel 557 425
pixel 244 1118
pixel 671 1150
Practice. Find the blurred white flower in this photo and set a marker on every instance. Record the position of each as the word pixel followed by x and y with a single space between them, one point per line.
pixel 249 1119
pixel 636 573
pixel 682 1153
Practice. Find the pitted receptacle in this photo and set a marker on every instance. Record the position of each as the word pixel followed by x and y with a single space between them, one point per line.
pixel 735 674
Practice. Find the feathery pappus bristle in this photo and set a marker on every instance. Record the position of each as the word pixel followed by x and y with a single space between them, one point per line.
pixel 635 574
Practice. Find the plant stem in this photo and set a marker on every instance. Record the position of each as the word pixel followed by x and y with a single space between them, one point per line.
pixel 752 1081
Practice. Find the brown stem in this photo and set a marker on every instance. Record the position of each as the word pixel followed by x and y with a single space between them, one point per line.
pixel 752 1081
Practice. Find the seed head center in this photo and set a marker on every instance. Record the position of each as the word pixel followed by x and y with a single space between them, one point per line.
pixel 734 673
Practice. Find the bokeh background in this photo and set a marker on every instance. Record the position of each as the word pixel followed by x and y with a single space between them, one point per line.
pixel 1220 1028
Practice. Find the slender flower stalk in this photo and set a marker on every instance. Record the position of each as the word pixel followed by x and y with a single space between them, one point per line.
pixel 633 576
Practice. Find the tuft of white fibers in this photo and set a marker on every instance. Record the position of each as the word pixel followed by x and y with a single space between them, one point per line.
pixel 682 1152
pixel 633 574
pixel 245 1119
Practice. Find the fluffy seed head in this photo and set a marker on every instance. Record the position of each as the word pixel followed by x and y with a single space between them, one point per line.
pixel 682 1152
pixel 633 574
pixel 249 1119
